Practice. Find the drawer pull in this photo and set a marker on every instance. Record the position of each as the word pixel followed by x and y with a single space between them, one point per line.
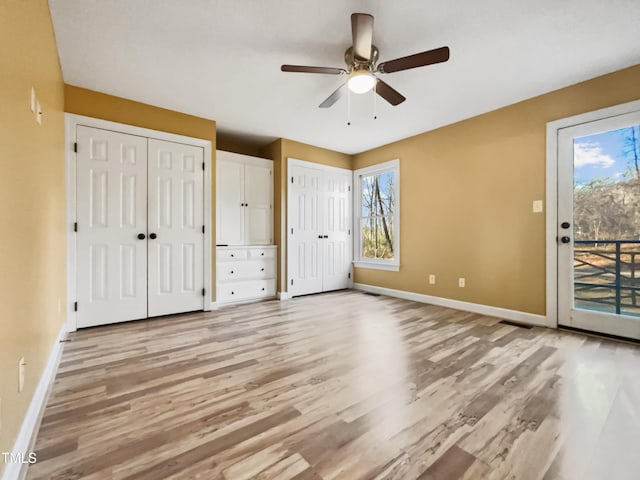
pixel 233 293
pixel 232 255
pixel 263 289
pixel 262 254
pixel 232 272
pixel 262 269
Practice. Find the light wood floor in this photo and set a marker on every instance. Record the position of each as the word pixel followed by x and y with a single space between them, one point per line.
pixel 340 386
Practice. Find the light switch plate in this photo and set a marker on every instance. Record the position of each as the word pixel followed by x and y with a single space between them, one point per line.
pixel 537 206
pixel 432 279
pixel 461 282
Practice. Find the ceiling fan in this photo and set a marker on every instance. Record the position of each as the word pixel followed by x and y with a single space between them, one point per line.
pixel 361 59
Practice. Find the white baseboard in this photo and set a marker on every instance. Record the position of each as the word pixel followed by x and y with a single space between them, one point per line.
pixel 513 315
pixel 213 306
pixel 27 435
pixel 283 296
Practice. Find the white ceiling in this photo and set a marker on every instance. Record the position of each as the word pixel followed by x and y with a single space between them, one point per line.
pixel 221 59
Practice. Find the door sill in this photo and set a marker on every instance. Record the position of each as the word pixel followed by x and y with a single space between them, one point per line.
pixel 607 336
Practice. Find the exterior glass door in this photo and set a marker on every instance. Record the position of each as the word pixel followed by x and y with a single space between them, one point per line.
pixel 599 226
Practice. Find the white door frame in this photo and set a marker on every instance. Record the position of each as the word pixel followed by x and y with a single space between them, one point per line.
pixel 553 129
pixel 71 122
pixel 319 166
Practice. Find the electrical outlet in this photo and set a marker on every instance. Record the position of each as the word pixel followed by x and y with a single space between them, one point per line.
pixel 21 368
pixel 432 279
pixel 461 282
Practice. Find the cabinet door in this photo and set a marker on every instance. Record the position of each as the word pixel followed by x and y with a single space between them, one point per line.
pixel 229 201
pixel 176 201
pixel 112 213
pixel 257 198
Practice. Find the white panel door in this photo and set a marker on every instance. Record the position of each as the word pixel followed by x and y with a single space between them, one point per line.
pixel 337 242
pixel 305 230
pixel 111 214
pixel 229 203
pixel 257 204
pixel 176 219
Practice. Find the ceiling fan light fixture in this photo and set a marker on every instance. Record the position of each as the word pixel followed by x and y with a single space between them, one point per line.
pixel 361 81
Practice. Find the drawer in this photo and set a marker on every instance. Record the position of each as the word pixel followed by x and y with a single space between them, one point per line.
pixel 235 271
pixel 230 254
pixel 236 292
pixel 260 253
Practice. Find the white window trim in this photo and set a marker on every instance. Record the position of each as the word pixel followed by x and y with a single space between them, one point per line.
pixel 392 265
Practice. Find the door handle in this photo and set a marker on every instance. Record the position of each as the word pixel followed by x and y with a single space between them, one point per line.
pixel 153 236
pixel 325 236
pixel 565 239
pixel 141 236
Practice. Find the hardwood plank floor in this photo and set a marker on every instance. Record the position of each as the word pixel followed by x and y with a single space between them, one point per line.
pixel 340 386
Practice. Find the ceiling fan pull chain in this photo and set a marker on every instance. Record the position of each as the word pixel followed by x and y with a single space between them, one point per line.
pixel 375 103
pixel 348 107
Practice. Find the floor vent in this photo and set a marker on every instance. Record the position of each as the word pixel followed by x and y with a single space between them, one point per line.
pixel 515 324
pixel 372 294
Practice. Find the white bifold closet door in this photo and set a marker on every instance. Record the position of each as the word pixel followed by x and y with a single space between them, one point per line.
pixel 175 222
pixel 128 190
pixel 319 218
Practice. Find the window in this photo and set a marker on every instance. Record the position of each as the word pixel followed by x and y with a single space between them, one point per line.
pixel 377 208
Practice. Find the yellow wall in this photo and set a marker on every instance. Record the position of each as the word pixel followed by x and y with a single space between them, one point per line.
pixel 279 151
pixel 32 205
pixel 115 109
pixel 466 194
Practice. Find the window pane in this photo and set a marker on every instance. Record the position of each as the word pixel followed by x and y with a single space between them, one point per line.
pixel 377 237
pixel 377 194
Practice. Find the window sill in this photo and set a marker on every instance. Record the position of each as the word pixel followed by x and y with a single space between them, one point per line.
pixel 394 267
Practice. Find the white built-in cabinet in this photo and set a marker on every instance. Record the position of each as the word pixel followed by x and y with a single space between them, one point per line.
pixel 245 256
pixel 244 200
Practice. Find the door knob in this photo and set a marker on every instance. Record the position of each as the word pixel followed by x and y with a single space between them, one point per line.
pixel 565 239
pixel 153 236
pixel 565 225
pixel 141 236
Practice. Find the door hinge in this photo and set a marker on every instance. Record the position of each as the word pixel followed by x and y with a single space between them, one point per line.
pixel 291 179
pixel 291 231
pixel 75 226
pixel 75 306
pixel 349 276
pixel 203 292
pixel 349 232
pixel 75 147
pixel 349 187
pixel 202 228
pixel 203 166
pixel 292 281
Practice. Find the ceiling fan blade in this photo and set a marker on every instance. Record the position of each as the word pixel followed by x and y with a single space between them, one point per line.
pixel 422 59
pixel 390 94
pixel 334 97
pixel 362 33
pixel 305 69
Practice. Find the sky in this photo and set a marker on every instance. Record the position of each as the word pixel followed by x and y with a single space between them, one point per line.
pixel 600 156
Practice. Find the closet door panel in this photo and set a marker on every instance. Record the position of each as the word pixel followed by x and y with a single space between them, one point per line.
pixel 176 218
pixel 111 213
pixel 305 242
pixel 338 245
